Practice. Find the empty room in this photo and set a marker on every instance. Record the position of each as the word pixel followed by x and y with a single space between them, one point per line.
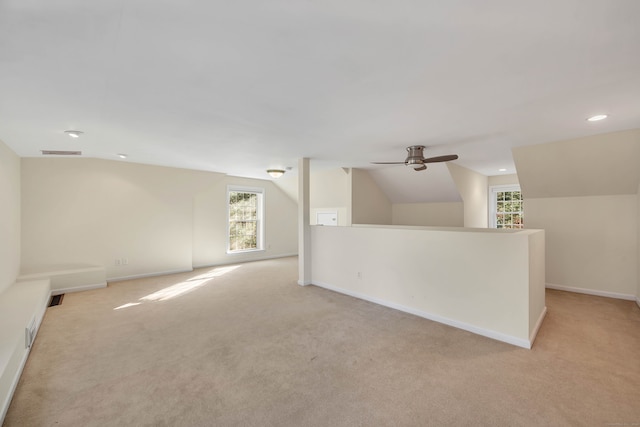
pixel 319 213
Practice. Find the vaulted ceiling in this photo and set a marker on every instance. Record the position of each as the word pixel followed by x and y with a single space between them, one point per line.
pixel 238 87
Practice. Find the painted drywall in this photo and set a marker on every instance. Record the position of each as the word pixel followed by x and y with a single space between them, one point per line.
pixel 92 211
pixel 330 191
pixel 428 214
pixel 473 188
pixel 605 164
pixel 510 179
pixel 418 270
pixel 537 281
pixel 11 221
pixel 210 223
pixel 592 242
pixel 289 184
pixel 369 204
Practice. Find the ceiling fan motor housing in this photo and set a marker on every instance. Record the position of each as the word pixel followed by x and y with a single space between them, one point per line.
pixel 415 157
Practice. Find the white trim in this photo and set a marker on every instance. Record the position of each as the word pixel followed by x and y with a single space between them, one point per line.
pixel 638 301
pixel 140 276
pixel 308 282
pixel 436 318
pixel 245 260
pixel 50 273
pixel 534 333
pixel 55 292
pixel 591 292
pixel 244 251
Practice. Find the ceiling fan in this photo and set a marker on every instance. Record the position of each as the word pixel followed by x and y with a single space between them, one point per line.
pixel 416 159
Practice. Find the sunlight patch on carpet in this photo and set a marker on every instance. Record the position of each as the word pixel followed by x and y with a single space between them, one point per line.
pixel 182 288
pixel 129 304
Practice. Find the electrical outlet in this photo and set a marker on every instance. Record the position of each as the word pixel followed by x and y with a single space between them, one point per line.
pixel 117 261
pixel 359 275
pixel 125 261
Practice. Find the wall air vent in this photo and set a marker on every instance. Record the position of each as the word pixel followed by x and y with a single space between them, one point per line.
pixel 60 153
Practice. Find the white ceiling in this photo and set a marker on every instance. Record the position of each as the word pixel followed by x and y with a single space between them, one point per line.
pixel 238 87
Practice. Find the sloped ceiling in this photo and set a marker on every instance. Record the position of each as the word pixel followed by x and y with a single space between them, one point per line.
pixel 606 164
pixel 238 87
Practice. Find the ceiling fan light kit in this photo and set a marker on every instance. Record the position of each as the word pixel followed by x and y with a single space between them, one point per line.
pixel 416 158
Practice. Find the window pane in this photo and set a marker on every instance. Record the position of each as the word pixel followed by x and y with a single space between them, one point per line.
pixel 508 207
pixel 243 219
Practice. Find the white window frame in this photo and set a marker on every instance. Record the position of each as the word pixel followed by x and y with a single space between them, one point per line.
pixel 493 195
pixel 260 241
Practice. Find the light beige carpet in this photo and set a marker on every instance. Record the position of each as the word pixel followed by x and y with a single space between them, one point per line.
pixel 249 347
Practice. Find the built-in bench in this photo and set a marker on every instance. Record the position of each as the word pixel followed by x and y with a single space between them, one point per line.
pixel 68 277
pixel 22 307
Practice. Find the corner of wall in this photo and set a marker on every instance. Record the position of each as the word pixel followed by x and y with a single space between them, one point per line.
pixel 638 247
pixel 10 226
pixel 369 204
pixel 474 190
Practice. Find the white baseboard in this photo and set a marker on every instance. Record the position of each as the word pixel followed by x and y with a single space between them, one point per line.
pixel 534 333
pixel 638 301
pixel 306 283
pixel 262 258
pixel 187 270
pixel 436 318
pixel 592 292
pixel 78 288
pixel 140 276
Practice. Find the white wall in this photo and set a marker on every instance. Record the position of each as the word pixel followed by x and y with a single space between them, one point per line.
pixel 428 214
pixel 510 179
pixel 591 241
pixel 210 219
pixel 477 280
pixel 93 211
pixel 605 164
pixel 10 223
pixel 330 191
pixel 473 188
pixel 369 205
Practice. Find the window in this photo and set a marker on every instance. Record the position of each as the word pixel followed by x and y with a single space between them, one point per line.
pixel 245 213
pixel 506 207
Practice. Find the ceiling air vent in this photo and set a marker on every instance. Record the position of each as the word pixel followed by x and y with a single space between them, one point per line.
pixel 60 153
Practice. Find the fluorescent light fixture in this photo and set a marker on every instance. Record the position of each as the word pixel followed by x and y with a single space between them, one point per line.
pixel 502 170
pixel 597 118
pixel 122 156
pixel 73 133
pixel 275 173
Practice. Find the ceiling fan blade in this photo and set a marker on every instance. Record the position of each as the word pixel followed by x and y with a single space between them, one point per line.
pixel 388 163
pixel 446 158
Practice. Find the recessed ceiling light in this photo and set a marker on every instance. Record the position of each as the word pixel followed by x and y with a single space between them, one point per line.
pixel 122 156
pixel 73 133
pixel 597 118
pixel 502 170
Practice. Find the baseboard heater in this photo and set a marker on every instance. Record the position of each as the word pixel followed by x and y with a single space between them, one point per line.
pixel 30 333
